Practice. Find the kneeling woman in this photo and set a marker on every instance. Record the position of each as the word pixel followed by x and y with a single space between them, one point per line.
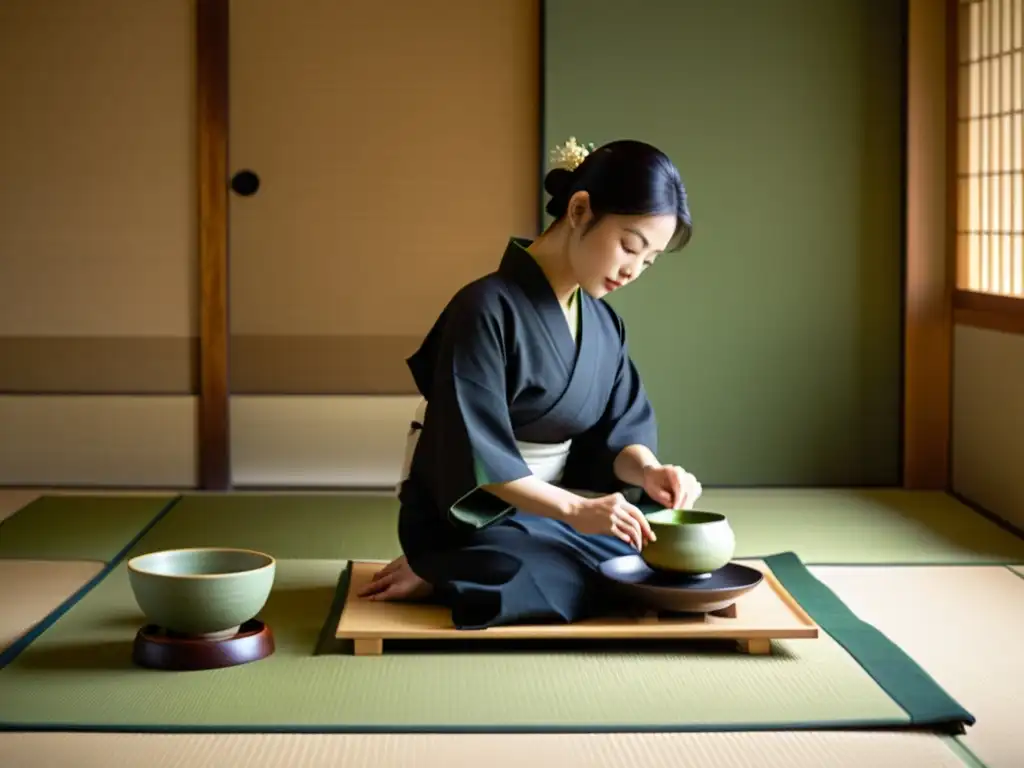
pixel 535 426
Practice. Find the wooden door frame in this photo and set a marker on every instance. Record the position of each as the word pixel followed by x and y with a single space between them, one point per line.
pixel 214 434
pixel 930 230
pixel 929 261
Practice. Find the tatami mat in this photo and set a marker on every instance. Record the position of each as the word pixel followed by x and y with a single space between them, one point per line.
pixel 79 674
pixel 964 626
pixel 704 750
pixel 954 621
pixel 834 526
pixel 328 525
pixel 877 526
pixel 79 527
pixel 13 499
pixel 30 590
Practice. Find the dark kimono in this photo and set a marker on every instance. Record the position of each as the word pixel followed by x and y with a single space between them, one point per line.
pixel 499 366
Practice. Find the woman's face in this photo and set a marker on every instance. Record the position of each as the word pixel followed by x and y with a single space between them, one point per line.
pixel 615 251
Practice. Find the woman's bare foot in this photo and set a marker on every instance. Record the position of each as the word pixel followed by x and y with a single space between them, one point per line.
pixel 396 581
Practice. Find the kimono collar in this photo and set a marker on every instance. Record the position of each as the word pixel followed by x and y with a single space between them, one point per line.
pixel 519 265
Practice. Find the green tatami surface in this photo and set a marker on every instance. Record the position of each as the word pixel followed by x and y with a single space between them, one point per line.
pixel 871 527
pixel 78 674
pixel 79 527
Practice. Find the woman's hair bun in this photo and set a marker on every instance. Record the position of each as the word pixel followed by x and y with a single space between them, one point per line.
pixel 557 184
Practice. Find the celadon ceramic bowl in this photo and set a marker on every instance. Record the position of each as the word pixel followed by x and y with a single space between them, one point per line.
pixel 691 542
pixel 203 592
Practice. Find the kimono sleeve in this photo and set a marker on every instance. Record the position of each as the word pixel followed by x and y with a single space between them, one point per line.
pixel 627 419
pixel 467 434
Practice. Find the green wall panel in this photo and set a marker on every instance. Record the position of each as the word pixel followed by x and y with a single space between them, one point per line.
pixel 772 344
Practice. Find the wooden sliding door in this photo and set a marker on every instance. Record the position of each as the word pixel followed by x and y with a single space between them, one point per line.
pixel 381 155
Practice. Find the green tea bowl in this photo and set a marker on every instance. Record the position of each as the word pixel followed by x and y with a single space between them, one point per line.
pixel 690 542
pixel 206 592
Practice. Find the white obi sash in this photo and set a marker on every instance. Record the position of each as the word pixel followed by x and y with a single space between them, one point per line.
pixel 545 460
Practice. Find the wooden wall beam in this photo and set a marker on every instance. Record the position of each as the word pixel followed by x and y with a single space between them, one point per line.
pixel 995 313
pixel 930 239
pixel 212 114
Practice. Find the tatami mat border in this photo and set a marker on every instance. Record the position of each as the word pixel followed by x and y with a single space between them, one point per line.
pixel 23 642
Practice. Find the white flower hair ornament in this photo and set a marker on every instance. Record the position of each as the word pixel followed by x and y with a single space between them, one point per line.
pixel 570 155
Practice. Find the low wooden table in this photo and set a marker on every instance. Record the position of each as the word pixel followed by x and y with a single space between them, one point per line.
pixel 766 613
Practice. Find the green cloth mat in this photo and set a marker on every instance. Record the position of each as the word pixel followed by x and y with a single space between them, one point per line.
pixel 871 527
pixel 296 526
pixel 79 527
pixel 77 675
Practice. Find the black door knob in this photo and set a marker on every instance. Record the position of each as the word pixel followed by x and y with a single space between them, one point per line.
pixel 245 183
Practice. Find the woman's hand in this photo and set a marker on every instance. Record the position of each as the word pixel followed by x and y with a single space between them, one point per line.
pixel 396 581
pixel 671 486
pixel 611 516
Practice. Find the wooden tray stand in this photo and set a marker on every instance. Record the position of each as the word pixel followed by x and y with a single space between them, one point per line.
pixel 766 613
